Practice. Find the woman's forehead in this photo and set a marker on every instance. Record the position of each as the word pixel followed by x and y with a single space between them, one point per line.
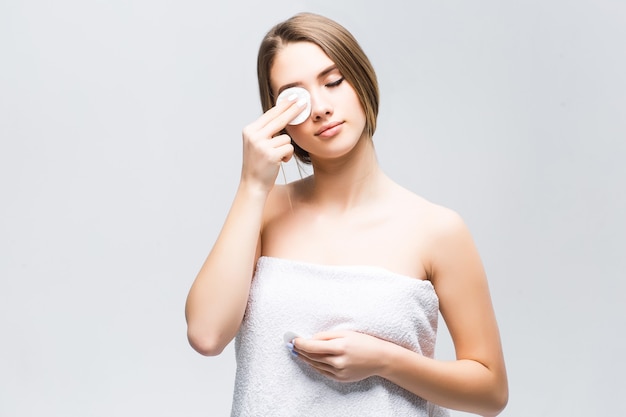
pixel 298 62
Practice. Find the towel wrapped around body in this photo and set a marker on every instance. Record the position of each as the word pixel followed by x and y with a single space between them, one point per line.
pixel 307 298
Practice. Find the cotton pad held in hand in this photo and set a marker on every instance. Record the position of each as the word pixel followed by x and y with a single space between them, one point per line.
pixel 289 336
pixel 300 94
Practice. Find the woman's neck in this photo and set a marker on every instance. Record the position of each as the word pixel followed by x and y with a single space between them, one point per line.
pixel 344 183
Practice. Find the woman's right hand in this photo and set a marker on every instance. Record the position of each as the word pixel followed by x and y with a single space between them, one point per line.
pixel 263 151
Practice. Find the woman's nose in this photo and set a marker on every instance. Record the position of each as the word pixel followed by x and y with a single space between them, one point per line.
pixel 321 106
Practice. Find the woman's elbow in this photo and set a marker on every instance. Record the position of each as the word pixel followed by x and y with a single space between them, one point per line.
pixel 498 401
pixel 503 399
pixel 205 344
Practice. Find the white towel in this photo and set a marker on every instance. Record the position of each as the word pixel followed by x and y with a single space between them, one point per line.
pixel 308 298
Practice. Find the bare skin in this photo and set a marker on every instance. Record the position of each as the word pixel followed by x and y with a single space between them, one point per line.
pixel 348 212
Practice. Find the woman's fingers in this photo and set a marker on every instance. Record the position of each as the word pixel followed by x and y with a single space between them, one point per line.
pixel 284 152
pixel 319 347
pixel 320 365
pixel 282 147
pixel 332 366
pixel 275 119
pixel 262 156
pixel 314 351
pixel 263 148
pixel 346 355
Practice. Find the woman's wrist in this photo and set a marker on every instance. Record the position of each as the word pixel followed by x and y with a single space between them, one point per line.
pixel 393 359
pixel 386 358
pixel 253 189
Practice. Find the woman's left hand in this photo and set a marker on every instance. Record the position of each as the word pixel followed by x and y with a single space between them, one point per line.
pixel 343 355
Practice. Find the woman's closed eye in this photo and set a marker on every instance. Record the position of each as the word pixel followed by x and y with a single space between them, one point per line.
pixel 335 83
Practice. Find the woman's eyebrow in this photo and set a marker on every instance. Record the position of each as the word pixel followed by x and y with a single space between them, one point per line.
pixel 327 71
pixel 322 74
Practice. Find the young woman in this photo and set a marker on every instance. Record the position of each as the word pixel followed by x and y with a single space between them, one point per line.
pixel 356 266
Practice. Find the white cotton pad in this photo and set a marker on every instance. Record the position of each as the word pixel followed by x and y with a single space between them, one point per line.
pixel 301 94
pixel 289 336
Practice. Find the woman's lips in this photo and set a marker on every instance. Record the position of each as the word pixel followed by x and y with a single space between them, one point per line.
pixel 329 130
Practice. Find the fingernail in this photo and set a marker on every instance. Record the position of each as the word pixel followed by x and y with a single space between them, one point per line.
pixel 301 102
pixel 292 97
pixel 289 346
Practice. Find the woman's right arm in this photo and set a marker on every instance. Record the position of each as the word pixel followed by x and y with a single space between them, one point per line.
pixel 218 297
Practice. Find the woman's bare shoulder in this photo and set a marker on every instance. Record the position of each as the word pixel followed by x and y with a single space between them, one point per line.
pixel 439 232
pixel 417 208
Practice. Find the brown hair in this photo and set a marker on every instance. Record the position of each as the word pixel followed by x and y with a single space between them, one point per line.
pixel 340 46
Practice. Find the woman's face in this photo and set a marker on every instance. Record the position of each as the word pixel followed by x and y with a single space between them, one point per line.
pixel 337 119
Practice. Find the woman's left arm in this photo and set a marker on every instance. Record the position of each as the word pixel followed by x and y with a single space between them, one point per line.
pixel 476 381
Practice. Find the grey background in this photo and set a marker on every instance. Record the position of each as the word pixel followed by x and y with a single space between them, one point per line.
pixel 120 152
